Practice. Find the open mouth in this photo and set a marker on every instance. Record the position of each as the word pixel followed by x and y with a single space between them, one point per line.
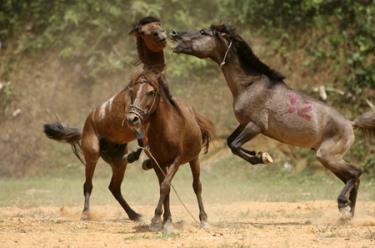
pixel 178 46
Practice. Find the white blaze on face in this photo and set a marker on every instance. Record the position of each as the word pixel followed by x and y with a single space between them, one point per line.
pixel 140 90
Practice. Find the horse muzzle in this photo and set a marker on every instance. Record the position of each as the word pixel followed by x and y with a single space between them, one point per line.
pixel 134 120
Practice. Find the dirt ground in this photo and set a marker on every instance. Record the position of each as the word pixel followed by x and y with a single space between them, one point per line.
pixel 241 224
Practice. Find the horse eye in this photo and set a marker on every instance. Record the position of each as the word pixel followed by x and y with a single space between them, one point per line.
pixel 202 32
pixel 151 93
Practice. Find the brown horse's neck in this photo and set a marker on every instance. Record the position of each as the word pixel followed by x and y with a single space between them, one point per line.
pixel 160 118
pixel 151 60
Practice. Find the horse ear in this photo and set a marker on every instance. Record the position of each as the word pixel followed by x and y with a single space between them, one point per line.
pixel 134 31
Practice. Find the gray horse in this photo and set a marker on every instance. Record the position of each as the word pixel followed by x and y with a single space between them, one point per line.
pixel 264 104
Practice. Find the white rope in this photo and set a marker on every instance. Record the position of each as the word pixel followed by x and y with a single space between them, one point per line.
pixel 226 54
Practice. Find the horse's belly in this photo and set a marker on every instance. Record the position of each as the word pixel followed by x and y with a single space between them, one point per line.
pixel 294 131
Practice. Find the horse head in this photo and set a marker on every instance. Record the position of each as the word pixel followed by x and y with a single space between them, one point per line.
pixel 149 30
pixel 144 92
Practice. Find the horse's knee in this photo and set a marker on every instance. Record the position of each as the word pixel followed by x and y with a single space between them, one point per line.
pixel 234 147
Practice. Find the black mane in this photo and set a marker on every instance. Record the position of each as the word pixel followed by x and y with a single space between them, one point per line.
pixel 249 62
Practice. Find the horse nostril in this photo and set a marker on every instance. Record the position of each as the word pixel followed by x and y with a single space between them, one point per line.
pixel 135 119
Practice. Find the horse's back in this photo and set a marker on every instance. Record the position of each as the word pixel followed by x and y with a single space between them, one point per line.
pixel 299 120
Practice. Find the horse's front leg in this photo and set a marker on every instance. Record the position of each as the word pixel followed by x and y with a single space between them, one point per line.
pixel 240 136
pixel 165 186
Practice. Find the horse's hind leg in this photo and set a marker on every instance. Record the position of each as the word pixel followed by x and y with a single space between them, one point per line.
pixel 87 186
pixel 118 171
pixel 330 154
pixel 242 135
pixel 197 186
pixel 90 149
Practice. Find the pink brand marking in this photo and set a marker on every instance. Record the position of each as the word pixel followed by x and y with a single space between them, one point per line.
pixel 293 102
pixel 302 111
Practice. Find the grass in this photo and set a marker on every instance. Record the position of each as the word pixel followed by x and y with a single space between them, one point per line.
pixel 224 181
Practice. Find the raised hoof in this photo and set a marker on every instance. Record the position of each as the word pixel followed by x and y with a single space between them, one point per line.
pixel 85 216
pixel 266 158
pixel 205 225
pixel 147 164
pixel 156 225
pixel 346 213
pixel 132 157
pixel 136 217
pixel 168 226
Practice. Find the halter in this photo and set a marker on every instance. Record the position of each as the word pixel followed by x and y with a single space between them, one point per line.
pixel 226 54
pixel 140 112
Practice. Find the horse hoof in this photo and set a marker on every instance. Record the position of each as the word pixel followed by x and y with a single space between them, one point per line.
pixel 147 164
pixel 168 227
pixel 266 158
pixel 85 216
pixel 205 225
pixel 156 225
pixel 346 213
pixel 136 217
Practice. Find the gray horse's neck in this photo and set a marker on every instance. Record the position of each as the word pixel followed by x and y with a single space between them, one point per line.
pixel 235 76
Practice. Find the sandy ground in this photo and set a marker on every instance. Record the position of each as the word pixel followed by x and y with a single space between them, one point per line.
pixel 241 224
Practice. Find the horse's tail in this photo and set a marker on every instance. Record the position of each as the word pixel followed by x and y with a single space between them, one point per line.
pixel 207 129
pixel 366 123
pixel 57 131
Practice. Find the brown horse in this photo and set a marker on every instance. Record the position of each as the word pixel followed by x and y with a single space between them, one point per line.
pixel 106 133
pixel 175 133
pixel 264 104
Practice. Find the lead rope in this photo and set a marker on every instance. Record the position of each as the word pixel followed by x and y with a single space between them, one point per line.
pixel 175 191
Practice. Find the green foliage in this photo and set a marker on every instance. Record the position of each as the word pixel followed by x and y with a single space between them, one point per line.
pixel 93 33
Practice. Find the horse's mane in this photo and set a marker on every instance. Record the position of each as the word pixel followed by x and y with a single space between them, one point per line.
pixel 249 62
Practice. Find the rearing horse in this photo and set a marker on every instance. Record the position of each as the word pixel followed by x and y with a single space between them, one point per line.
pixel 106 133
pixel 264 104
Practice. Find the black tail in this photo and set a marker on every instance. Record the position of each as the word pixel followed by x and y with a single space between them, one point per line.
pixel 57 131
pixel 366 123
